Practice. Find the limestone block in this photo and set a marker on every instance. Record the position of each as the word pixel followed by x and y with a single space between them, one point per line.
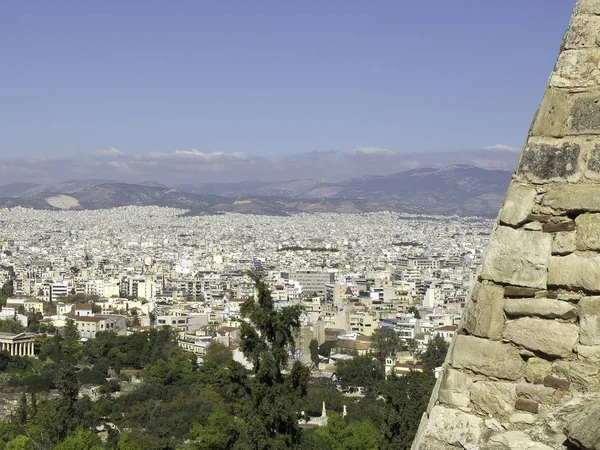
pixel 537 369
pixel 484 316
pixel 490 358
pixel 536 392
pixel 589 353
pixel 588 7
pixel 578 197
pixel 518 204
pixel 578 35
pixel 576 68
pixel 550 160
pixel 494 398
pixel 584 428
pixel 589 320
pixel 556 383
pixel 542 307
pixel 588 231
pixel 563 242
pixel 593 163
pixel 584 116
pixel 517 257
pixel 518 440
pixel 553 115
pixel 584 375
pixel 522 417
pixel 525 404
pixel 541 335
pixel 575 271
pixel 560 225
pixel 454 427
pixel 455 388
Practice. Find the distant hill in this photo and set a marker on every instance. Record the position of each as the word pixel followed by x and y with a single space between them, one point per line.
pixel 458 189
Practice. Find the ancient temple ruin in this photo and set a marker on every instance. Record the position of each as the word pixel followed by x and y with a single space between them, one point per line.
pixel 523 371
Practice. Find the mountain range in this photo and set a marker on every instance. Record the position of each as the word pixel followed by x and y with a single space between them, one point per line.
pixel 457 189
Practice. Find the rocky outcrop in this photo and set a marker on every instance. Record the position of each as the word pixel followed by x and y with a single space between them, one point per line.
pixel 523 371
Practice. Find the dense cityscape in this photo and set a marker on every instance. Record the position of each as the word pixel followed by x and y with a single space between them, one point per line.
pixel 131 270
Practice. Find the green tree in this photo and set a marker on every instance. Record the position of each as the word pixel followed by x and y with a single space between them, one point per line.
pixel 66 405
pixel 22 410
pixel 435 354
pixel 218 354
pixel 220 433
pixel 406 399
pixel 415 312
pixel 20 442
pixel 267 339
pixel 385 341
pixel 340 434
pixel 314 353
pixel 364 371
pixel 80 440
pixel 6 291
pixel 11 326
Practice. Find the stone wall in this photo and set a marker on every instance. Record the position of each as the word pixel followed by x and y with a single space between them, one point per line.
pixel 523 370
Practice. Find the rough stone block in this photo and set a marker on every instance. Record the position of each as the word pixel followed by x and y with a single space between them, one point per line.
pixel 575 271
pixel 588 231
pixel 550 161
pixel 517 257
pixel 518 204
pixel 537 369
pixel 536 392
pixel 523 404
pixel 588 353
pixel 584 375
pixel 490 358
pixel 589 320
pixel 585 115
pixel 517 440
pixel 576 68
pixel 563 242
pixel 577 197
pixel 553 382
pixel 593 163
pixel 484 316
pixel 522 417
pixel 584 427
pixel 578 35
pixel 553 114
pixel 542 307
pixel 541 335
pixel 493 398
pixel 587 7
pixel 455 388
pixel 518 291
pixel 554 227
pixel 454 427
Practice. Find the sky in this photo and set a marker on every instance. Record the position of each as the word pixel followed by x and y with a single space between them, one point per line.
pixel 192 91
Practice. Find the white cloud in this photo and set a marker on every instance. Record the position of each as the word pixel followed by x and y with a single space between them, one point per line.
pixel 109 153
pixel 502 147
pixel 368 151
pixel 195 156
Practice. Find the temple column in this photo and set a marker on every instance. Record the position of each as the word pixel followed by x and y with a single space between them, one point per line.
pixel 32 348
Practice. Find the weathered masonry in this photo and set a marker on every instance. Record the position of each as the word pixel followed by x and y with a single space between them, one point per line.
pixel 523 370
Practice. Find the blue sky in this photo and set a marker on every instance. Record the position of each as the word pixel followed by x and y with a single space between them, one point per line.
pixel 271 79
